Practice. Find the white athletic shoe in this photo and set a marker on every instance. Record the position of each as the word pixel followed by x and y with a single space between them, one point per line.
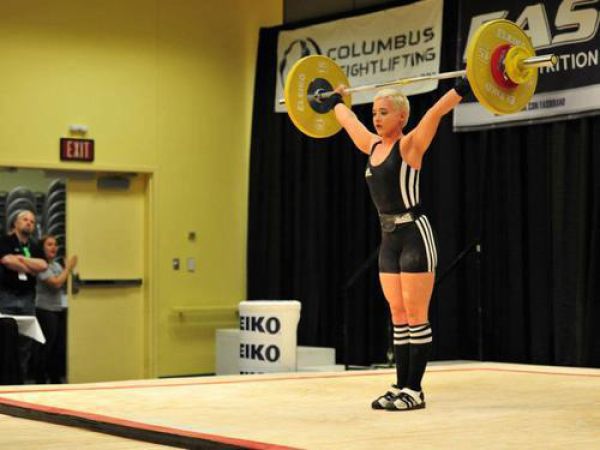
pixel 386 399
pixel 406 400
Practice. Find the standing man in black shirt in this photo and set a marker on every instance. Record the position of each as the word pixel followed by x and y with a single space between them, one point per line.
pixel 20 262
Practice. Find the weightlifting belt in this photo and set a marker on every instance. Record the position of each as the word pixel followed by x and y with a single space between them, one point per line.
pixel 389 221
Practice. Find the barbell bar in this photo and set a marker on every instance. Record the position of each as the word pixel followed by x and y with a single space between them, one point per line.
pixel 501 68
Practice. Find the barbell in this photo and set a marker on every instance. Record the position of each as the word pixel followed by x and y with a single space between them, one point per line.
pixel 501 68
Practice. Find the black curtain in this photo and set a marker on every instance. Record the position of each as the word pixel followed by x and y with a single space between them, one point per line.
pixel 540 233
pixel 520 205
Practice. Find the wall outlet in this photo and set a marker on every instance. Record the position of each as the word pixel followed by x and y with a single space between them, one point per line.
pixel 191 264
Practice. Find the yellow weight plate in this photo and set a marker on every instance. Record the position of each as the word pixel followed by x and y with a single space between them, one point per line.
pixel 308 73
pixel 498 99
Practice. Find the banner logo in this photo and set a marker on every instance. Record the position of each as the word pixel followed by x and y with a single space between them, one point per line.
pixel 297 49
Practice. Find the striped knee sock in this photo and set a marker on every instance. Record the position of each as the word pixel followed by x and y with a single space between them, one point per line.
pixel 419 351
pixel 401 354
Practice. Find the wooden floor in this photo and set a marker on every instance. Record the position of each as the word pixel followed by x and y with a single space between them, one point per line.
pixel 471 405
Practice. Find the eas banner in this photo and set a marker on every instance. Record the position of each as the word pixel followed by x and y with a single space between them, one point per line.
pixel 371 48
pixel 567 28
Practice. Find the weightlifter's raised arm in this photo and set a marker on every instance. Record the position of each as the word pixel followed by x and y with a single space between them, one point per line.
pixel 363 139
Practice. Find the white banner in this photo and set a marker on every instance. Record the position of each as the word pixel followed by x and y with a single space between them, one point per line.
pixel 372 48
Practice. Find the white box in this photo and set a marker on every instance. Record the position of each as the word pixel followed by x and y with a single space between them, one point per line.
pixel 315 356
pixel 227 352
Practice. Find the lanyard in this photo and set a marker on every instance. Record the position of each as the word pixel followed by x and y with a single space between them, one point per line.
pixel 26 252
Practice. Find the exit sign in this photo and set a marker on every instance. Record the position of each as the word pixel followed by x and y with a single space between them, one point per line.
pixel 76 149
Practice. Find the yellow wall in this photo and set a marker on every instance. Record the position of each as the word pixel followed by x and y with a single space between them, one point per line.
pixel 164 85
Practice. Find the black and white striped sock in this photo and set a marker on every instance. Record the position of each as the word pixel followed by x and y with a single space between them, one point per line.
pixel 401 354
pixel 419 351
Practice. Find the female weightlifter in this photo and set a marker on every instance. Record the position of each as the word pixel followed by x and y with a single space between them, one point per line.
pixel 408 253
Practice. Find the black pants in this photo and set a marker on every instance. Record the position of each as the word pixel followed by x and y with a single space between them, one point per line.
pixel 10 367
pixel 50 358
pixel 21 304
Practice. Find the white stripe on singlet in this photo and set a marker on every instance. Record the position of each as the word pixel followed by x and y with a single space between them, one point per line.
pixel 403 169
pixel 418 184
pixel 425 243
pixel 429 231
pixel 411 187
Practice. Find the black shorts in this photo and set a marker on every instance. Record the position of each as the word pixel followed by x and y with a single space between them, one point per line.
pixel 410 247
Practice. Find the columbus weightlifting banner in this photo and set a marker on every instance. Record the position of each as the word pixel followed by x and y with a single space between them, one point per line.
pixel 567 28
pixel 371 48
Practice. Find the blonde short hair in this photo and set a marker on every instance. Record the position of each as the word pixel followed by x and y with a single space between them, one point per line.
pixel 399 100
